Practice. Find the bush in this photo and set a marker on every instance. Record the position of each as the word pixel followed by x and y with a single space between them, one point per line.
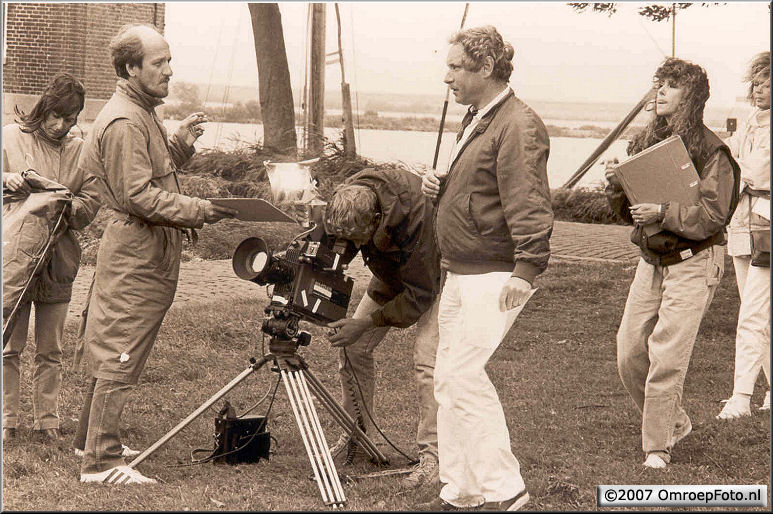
pixel 583 206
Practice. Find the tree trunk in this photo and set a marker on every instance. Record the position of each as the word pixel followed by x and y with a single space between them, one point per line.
pixel 276 95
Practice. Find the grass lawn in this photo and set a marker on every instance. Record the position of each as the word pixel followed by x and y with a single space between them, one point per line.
pixel 572 425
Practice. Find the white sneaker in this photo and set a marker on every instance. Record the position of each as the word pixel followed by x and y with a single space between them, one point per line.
pixel 125 452
pixel 737 406
pixel 680 433
pixel 128 452
pixel 766 402
pixel 122 475
pixel 655 462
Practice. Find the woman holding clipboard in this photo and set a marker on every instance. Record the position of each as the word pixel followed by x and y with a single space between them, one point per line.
pixel 680 266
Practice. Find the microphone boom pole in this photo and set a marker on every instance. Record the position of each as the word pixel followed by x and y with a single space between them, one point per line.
pixel 608 140
pixel 445 103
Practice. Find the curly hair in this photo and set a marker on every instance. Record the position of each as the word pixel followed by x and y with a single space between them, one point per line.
pixel 482 42
pixel 687 120
pixel 352 210
pixel 64 95
pixel 758 73
pixel 126 48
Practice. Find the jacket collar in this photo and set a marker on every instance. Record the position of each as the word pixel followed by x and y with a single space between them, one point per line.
pixel 483 123
pixel 144 100
pixel 760 118
pixel 56 143
pixel 489 115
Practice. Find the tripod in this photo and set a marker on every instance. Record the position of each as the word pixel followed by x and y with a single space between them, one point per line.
pixel 299 383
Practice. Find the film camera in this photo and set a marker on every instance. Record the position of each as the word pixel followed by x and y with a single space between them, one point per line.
pixel 308 279
pixel 308 284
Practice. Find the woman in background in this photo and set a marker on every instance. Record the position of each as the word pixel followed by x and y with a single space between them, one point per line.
pixel 41 141
pixel 751 147
pixel 680 266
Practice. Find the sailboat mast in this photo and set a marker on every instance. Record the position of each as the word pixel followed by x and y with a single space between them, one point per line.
pixel 350 148
pixel 316 104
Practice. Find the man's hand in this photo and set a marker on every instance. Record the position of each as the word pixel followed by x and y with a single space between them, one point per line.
pixel 349 330
pixel 430 184
pixel 214 213
pixel 645 213
pixel 189 129
pixel 514 293
pixel 15 183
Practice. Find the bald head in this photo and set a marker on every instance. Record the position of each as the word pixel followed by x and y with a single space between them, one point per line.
pixel 128 46
pixel 141 55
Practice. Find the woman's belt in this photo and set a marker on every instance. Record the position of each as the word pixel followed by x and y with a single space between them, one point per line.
pixel 678 256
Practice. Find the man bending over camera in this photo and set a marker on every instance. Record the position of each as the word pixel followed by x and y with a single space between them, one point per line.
pixel 385 215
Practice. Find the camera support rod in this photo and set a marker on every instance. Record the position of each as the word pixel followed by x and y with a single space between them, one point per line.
pixel 299 383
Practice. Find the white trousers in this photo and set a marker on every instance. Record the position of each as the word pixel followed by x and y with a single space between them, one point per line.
pixel 476 462
pixel 752 339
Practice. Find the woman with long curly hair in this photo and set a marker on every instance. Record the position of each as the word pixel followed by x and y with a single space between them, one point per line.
pixel 41 141
pixel 680 266
pixel 751 146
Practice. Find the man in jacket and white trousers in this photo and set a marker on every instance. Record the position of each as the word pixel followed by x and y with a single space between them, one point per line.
pixel 494 221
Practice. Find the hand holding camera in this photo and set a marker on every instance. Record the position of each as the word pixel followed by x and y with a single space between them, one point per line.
pixel 349 331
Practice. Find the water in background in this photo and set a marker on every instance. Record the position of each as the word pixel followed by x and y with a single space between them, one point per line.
pixel 411 147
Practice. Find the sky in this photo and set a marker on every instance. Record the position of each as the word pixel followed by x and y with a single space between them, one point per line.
pixel 401 47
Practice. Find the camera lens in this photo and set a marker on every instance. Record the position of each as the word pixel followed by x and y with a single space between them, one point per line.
pixel 258 261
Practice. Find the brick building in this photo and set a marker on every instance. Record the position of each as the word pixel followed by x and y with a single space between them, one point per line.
pixel 42 39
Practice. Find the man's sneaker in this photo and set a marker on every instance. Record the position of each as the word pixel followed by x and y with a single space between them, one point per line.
pixel 680 433
pixel 439 504
pixel 125 452
pixel 346 444
pixel 514 503
pixel 766 402
pixel 425 472
pixel 128 452
pixel 737 406
pixel 339 445
pixel 655 462
pixel 119 475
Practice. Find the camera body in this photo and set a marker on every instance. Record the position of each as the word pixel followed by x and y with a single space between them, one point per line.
pixel 308 278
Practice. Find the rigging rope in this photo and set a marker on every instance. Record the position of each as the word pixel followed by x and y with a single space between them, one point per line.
pixel 356 86
pixel 227 86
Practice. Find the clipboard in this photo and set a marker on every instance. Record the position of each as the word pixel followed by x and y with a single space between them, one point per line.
pixel 662 173
pixel 253 209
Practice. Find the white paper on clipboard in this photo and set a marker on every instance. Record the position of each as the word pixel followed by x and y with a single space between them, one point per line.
pixel 253 209
pixel 762 208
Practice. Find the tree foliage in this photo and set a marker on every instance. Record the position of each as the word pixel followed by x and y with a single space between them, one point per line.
pixel 654 12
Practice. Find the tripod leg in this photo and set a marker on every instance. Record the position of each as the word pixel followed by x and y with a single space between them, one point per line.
pixel 337 487
pixel 195 414
pixel 308 442
pixel 343 418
